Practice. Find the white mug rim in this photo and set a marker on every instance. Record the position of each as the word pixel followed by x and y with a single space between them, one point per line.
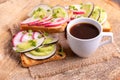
pixel 100 31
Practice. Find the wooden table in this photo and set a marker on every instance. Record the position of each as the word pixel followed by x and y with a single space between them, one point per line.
pixel 117 1
pixel 13 12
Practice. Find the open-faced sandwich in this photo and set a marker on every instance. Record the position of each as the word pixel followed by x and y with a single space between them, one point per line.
pixel 55 19
pixel 37 47
pixel 91 11
pixel 46 18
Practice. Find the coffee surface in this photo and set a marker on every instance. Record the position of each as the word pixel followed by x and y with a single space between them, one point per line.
pixel 84 31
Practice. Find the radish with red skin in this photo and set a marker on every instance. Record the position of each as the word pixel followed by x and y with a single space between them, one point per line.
pixel 53 25
pixel 17 38
pixel 47 22
pixel 40 22
pixel 27 37
pixel 43 23
pixel 33 23
pixel 57 22
pixel 29 20
pixel 42 6
pixel 46 19
pixel 43 20
pixel 22 37
pixel 79 12
pixel 38 43
pixel 36 35
pixel 33 35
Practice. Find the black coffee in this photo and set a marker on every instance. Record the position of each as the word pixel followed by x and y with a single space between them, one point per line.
pixel 84 31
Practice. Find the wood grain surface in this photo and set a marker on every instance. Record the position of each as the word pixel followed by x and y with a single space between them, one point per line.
pixel 14 11
pixel 117 2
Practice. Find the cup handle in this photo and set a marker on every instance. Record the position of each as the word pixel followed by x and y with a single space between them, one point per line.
pixel 107 34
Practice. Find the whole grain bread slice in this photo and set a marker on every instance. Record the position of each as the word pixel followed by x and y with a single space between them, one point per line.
pixel 27 62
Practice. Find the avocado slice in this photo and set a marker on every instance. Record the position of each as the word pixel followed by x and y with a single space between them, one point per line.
pixel 48 40
pixel 28 45
pixel 42 52
pixel 95 14
pixel 39 13
pixel 103 15
pixel 88 7
pixel 59 12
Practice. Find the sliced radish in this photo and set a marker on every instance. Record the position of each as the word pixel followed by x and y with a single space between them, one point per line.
pixel 58 19
pixel 41 55
pixel 46 22
pixel 30 21
pixel 50 21
pixel 39 14
pixel 26 37
pixel 79 12
pixel 40 23
pixel 40 10
pixel 39 42
pixel 22 37
pixel 17 37
pixel 36 35
pixel 45 19
pixel 43 6
pixel 57 22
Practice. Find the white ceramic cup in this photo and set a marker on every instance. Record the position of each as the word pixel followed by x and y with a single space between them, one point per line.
pixel 85 47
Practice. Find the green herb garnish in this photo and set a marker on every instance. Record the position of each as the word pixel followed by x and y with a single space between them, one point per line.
pixel 32 42
pixel 39 36
pixel 72 8
pixel 48 10
pixel 30 31
pixel 37 50
pixel 45 34
pixel 39 9
pixel 54 15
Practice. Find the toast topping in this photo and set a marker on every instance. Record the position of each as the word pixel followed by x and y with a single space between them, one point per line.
pixel 34 44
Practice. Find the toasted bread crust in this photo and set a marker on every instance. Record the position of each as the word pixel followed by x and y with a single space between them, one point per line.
pixel 107 27
pixel 60 28
pixel 27 62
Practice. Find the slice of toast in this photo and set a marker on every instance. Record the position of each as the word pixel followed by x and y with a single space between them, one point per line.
pixel 56 29
pixel 27 62
pixel 107 27
pixel 51 29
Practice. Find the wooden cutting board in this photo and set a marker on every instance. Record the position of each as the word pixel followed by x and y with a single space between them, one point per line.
pixel 14 11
